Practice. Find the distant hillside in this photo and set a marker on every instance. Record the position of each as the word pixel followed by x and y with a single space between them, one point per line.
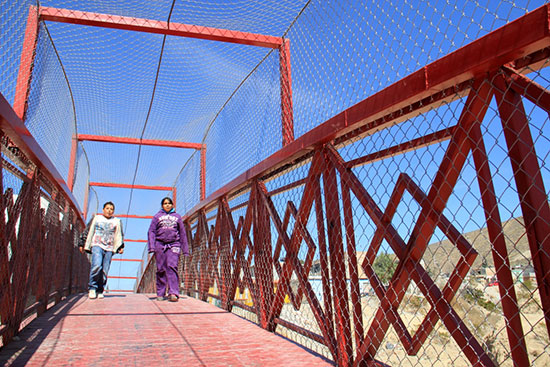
pixel 442 256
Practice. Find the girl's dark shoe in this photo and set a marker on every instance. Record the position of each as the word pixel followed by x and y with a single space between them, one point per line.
pixel 173 298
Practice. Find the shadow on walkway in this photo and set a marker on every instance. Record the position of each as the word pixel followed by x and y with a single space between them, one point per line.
pixel 139 331
pixel 27 342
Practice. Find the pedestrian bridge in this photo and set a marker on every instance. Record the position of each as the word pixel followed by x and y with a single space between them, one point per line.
pixel 363 183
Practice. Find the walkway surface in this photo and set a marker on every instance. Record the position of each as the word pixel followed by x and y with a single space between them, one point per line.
pixel 136 330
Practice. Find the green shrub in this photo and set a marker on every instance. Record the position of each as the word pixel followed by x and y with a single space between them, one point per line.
pixel 476 296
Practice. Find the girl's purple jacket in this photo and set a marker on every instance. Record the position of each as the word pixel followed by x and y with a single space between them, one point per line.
pixel 167 230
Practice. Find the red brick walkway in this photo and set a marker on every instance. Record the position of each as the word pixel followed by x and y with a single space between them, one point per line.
pixel 134 330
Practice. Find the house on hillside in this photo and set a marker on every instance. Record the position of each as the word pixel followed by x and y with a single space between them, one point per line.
pixel 484 272
pixel 523 273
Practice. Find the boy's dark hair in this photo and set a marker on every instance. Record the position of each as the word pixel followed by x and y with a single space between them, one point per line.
pixel 166 198
pixel 108 203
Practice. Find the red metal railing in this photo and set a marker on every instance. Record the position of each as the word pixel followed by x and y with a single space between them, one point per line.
pixel 232 251
pixel 270 251
pixel 39 225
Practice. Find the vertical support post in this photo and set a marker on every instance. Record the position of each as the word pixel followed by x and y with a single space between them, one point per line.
pixel 287 114
pixel 174 195
pixel 530 185
pixel 72 163
pixel 203 172
pixel 262 254
pixel 5 274
pixel 337 266
pixel 26 64
pixel 86 196
pixel 72 252
pixel 39 251
pixel 204 276
pixel 225 256
pixel 501 259
pixel 353 270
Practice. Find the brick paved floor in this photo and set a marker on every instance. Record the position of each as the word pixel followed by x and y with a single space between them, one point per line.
pixel 135 330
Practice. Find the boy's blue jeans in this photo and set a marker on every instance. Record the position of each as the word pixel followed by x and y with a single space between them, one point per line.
pixel 101 261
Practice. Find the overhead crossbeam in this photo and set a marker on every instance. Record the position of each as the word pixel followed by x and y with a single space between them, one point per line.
pixel 153 142
pixel 123 140
pixel 140 187
pixel 129 186
pixel 158 27
pixel 134 216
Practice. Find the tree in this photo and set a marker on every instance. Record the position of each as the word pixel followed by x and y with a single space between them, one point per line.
pixel 384 267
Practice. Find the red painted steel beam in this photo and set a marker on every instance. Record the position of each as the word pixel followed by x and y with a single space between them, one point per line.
pixel 355 293
pixel 131 260
pixel 532 193
pixel 141 241
pixel 337 266
pixel 528 88
pixel 133 216
pixel 153 142
pixel 501 259
pixel 513 41
pixel 158 27
pixel 424 141
pixel 203 173
pixel 17 132
pixel 72 163
pixel 128 186
pixel 86 198
pixel 26 64
pixel 287 113
pixel 119 277
pixel 16 171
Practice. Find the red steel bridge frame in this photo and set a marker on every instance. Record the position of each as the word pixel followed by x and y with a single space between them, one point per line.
pixel 151 26
pixel 163 143
pixel 488 67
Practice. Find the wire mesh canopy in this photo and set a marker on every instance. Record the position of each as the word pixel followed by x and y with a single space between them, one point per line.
pixel 347 169
pixel 136 84
pixel 141 85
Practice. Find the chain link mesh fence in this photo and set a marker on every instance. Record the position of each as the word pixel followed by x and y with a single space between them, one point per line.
pixel 405 244
pixel 36 226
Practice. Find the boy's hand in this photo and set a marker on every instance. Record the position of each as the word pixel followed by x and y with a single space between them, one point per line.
pixel 81 249
pixel 121 251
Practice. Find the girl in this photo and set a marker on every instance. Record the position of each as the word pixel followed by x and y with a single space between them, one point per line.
pixel 167 239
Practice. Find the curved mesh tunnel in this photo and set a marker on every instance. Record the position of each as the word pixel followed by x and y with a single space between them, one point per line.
pixel 366 178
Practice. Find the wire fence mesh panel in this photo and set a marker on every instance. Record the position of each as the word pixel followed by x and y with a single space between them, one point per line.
pixel 404 242
pixel 81 178
pixel 13 19
pixel 188 183
pixel 35 230
pixel 367 178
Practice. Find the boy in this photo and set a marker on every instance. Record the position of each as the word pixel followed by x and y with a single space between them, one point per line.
pixel 103 237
